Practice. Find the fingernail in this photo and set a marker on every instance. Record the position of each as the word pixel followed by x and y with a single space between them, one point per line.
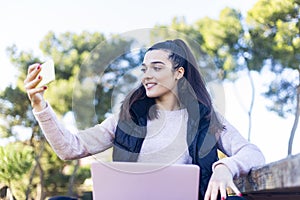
pixel 240 194
pixel 39 77
pixel 45 87
pixel 222 198
pixel 38 67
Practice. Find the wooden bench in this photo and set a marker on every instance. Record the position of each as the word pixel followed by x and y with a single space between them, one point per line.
pixel 277 180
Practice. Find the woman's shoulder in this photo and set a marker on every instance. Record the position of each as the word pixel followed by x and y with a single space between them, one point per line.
pixel 111 118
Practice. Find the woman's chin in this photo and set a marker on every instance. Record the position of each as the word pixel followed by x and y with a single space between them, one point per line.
pixel 151 95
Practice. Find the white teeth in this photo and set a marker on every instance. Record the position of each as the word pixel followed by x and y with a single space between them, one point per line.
pixel 150 85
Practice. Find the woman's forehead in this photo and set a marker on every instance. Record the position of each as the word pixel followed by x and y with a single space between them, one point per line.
pixel 156 55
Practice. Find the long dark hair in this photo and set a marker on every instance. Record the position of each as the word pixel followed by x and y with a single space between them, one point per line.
pixel 191 87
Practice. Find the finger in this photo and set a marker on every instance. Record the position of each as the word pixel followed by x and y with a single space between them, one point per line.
pixel 214 192
pixel 32 72
pixel 33 83
pixel 33 67
pixel 223 191
pixel 235 189
pixel 208 192
pixel 35 91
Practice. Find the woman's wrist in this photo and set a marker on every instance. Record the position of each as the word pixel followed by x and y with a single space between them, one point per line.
pixel 223 167
pixel 40 106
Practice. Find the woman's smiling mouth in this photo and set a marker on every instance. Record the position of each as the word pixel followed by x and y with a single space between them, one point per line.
pixel 149 85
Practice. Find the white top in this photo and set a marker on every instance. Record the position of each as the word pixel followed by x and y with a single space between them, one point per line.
pixel 165 141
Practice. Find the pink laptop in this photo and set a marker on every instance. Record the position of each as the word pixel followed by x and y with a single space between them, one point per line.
pixel 140 181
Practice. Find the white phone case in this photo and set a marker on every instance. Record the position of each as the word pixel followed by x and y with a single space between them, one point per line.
pixel 47 73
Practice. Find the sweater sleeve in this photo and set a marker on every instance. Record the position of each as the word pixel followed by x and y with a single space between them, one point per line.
pixel 69 146
pixel 242 155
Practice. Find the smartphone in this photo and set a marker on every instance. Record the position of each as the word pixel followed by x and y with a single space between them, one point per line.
pixel 47 73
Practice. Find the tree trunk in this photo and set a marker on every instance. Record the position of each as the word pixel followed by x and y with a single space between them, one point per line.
pixel 296 120
pixel 249 111
pixel 40 186
pixel 30 180
pixel 72 178
pixel 37 162
pixel 251 104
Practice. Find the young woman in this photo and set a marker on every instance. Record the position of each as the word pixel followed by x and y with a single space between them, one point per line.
pixel 169 118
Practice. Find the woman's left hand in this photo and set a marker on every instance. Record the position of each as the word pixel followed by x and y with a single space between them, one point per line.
pixel 220 180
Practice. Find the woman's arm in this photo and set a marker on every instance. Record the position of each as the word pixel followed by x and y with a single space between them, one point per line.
pixel 242 155
pixel 65 144
pixel 73 146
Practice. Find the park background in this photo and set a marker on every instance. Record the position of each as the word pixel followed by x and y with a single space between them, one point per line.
pixel 29 27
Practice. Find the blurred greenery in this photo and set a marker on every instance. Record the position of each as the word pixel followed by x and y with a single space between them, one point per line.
pixel 16 160
pixel 100 67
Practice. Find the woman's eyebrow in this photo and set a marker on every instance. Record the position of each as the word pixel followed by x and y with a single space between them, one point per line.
pixel 153 63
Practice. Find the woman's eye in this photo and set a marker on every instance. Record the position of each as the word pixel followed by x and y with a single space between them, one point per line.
pixel 143 70
pixel 156 68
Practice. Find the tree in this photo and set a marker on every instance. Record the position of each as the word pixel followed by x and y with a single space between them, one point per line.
pixel 227 41
pixel 275 27
pixel 191 35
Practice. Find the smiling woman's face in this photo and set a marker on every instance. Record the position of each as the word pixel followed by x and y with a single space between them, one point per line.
pixel 159 77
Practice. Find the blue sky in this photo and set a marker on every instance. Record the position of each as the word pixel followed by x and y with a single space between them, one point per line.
pixel 25 23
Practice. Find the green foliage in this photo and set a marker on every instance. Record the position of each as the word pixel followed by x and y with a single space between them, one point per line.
pixel 281 95
pixel 19 102
pixel 220 35
pixel 16 161
pixel 83 173
pixel 275 25
pixel 224 40
pixel 266 13
pixel 274 28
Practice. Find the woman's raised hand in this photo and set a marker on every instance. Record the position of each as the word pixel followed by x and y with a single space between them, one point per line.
pixel 34 93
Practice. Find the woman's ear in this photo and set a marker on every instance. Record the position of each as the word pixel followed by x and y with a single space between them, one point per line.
pixel 180 73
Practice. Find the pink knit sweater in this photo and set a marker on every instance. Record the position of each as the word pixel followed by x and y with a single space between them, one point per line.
pixel 165 141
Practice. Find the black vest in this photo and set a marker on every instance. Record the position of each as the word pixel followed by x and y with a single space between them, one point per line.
pixel 129 137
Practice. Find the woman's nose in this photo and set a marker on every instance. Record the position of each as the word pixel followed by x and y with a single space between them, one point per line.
pixel 147 74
